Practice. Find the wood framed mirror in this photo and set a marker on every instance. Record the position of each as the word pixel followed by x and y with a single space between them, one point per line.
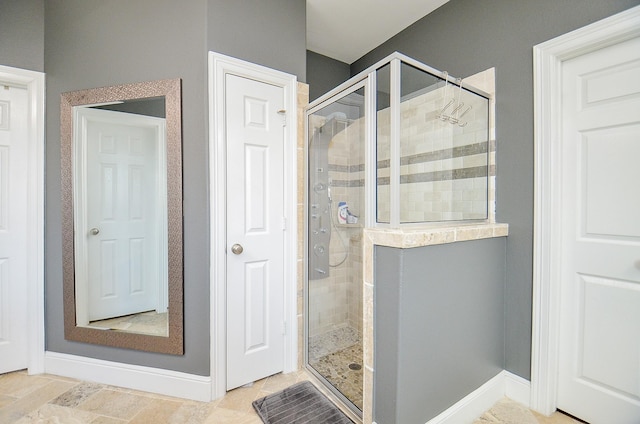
pixel 121 154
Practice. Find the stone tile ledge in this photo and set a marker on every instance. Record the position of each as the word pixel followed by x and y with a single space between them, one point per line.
pixel 418 237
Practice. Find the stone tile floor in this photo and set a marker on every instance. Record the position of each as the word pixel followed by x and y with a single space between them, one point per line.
pixel 506 411
pixel 45 399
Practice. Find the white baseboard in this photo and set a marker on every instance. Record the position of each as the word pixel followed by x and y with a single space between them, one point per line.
pixel 518 389
pixel 153 380
pixel 477 402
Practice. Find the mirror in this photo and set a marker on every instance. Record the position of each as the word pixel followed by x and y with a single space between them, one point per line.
pixel 121 154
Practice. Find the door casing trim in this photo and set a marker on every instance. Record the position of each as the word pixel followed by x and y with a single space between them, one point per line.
pixel 219 66
pixel 34 82
pixel 548 59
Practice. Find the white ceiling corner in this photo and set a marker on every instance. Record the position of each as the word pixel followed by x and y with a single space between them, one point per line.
pixel 347 29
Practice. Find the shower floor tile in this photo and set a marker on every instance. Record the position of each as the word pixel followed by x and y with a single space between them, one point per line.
pixel 332 341
pixel 335 367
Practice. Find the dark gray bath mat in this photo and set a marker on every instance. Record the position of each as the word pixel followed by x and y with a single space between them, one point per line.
pixel 301 403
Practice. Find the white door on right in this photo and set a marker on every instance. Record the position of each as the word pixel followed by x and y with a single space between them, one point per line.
pixel 599 347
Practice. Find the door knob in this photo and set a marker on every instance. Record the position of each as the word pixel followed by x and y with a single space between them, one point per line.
pixel 94 231
pixel 237 249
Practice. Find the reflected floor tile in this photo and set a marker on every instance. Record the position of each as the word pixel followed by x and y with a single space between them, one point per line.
pixel 145 322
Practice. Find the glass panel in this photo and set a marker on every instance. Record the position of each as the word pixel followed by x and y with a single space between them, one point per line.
pixel 336 212
pixel 383 145
pixel 443 150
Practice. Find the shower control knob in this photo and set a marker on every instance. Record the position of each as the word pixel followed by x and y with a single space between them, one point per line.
pixel 237 249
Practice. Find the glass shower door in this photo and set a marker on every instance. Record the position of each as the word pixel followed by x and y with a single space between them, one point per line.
pixel 335 222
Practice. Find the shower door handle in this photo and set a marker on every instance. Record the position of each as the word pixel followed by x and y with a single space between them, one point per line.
pixel 237 249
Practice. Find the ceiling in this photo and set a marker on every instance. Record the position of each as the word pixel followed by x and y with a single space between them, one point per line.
pixel 347 29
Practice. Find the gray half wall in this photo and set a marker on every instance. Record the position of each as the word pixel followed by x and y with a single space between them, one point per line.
pixel 439 326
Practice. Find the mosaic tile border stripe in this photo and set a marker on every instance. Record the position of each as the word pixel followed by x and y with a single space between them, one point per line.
pixel 452 174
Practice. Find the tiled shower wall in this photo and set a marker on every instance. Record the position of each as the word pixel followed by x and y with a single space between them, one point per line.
pixel 336 301
pixel 346 167
pixel 443 166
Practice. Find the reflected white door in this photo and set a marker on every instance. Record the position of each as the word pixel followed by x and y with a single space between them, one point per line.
pixel 123 226
pixel 255 211
pixel 13 228
pixel 599 353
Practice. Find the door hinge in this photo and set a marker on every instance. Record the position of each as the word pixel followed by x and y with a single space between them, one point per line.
pixel 284 223
pixel 284 328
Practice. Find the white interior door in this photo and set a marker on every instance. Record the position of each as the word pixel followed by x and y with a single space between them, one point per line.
pixel 599 350
pixel 120 186
pixel 255 221
pixel 14 187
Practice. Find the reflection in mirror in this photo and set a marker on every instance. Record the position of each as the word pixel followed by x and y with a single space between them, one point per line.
pixel 122 224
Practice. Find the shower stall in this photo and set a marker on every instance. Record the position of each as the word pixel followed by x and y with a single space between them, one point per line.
pixel 399 145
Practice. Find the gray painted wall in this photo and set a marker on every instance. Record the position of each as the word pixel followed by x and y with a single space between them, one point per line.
pixel 22 34
pixel 439 326
pixel 271 33
pixel 95 43
pixel 464 37
pixel 325 72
